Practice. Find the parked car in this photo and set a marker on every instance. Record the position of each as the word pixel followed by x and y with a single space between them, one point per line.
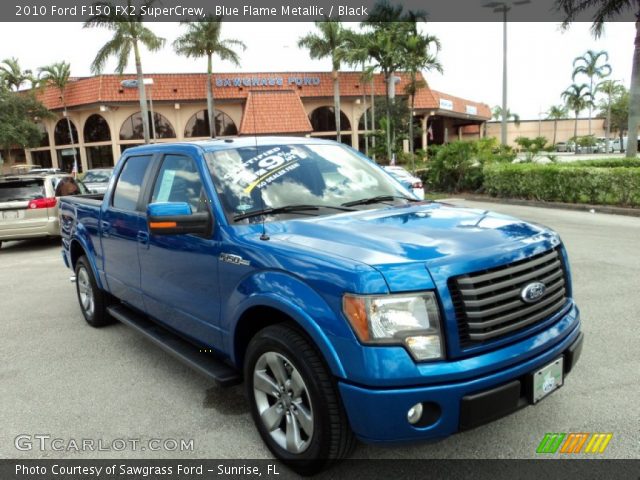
pixel 29 204
pixel 565 147
pixel 350 309
pixel 41 170
pixel 601 145
pixel 410 182
pixel 97 179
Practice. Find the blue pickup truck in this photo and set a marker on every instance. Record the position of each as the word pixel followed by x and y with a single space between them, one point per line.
pixel 350 309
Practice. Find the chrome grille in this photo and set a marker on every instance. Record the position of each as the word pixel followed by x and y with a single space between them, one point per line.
pixel 488 304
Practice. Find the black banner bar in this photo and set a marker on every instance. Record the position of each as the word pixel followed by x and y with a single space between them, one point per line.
pixel 290 10
pixel 117 469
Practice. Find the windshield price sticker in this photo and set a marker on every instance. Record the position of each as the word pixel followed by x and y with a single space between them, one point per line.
pixel 264 168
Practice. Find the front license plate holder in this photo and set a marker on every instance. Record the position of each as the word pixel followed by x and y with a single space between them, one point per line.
pixel 547 379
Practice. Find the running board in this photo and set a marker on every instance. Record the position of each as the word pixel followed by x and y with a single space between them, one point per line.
pixel 205 363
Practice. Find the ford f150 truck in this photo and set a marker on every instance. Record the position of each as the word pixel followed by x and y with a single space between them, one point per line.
pixel 350 309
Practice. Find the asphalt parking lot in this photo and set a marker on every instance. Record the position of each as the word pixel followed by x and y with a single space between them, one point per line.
pixel 65 379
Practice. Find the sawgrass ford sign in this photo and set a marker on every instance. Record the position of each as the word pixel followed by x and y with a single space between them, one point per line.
pixel 270 81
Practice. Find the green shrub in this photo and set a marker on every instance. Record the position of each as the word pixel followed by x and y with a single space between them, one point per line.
pixel 604 163
pixel 571 184
pixel 457 166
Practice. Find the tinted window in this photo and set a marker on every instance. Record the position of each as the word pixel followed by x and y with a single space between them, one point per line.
pixel 179 181
pixel 21 190
pixel 129 183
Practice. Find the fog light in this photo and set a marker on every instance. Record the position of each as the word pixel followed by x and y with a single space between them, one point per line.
pixel 414 414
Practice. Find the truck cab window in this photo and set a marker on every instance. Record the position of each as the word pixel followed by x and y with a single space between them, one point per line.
pixel 179 181
pixel 127 189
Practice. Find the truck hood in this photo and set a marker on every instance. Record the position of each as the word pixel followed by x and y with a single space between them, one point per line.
pixel 431 235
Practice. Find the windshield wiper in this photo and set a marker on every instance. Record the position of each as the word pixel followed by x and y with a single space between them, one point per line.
pixel 378 199
pixel 288 209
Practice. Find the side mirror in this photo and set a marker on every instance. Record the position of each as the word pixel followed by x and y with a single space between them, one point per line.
pixel 175 218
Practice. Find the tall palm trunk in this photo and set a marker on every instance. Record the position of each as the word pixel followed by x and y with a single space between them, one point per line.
pixel 411 110
pixel 387 77
pixel 73 143
pixel 590 102
pixel 373 115
pixel 142 93
pixel 575 134
pixel 608 130
pixel 211 113
pixel 336 102
pixel 555 129
pixel 364 106
pixel 634 101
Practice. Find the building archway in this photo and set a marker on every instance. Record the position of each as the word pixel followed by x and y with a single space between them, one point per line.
pixel 198 125
pixel 132 128
pixel 323 119
pixel 61 133
pixel 96 129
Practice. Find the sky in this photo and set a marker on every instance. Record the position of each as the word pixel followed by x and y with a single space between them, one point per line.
pixel 540 55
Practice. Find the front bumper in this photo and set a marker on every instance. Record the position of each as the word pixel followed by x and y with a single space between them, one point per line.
pixel 380 415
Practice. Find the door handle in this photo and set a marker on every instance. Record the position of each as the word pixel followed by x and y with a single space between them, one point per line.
pixel 143 237
pixel 105 227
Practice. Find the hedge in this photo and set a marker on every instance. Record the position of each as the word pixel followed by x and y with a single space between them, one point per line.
pixel 562 183
pixel 604 163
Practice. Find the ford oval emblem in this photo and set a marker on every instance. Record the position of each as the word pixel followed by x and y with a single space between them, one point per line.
pixel 533 292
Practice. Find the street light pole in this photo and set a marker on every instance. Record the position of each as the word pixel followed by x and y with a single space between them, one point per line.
pixel 503 128
pixel 504 7
pixel 133 83
pixel 149 81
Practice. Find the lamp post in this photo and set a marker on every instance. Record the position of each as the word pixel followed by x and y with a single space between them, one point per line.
pixel 504 7
pixel 133 83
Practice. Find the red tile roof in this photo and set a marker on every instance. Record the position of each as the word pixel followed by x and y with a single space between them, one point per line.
pixel 192 87
pixel 274 112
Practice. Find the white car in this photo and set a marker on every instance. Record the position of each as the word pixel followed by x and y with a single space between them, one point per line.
pixel 413 184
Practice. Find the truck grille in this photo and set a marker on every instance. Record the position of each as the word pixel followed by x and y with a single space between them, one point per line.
pixel 488 304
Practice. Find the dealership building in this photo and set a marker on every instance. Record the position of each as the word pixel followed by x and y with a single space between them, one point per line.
pixel 105 113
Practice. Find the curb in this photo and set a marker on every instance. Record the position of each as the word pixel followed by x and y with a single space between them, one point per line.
pixel 581 207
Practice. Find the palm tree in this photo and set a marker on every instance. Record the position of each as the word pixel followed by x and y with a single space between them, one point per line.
pixel 610 10
pixel 587 65
pixel 332 43
pixel 497 115
pixel 203 39
pixel 418 58
pixel 577 98
pixel 129 34
pixel 555 113
pixel 612 89
pixel 11 74
pixel 389 28
pixel 357 55
pixel 57 75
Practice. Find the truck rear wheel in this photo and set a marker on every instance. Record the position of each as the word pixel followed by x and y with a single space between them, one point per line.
pixel 92 300
pixel 294 401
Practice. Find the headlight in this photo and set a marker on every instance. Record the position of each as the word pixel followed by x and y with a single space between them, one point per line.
pixel 411 320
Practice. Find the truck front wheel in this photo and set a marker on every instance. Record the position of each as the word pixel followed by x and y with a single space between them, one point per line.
pixel 92 300
pixel 294 401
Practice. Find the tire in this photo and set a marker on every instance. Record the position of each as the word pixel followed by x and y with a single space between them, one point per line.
pixel 294 401
pixel 93 301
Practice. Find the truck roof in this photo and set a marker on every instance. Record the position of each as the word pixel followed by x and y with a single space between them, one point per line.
pixel 234 142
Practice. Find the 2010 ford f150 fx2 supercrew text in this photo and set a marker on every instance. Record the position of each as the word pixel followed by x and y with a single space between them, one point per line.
pixel 349 308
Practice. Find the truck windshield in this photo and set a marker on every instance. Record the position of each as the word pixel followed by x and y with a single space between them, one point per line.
pixel 274 177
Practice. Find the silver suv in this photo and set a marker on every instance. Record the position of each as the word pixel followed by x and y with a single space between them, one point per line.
pixel 29 204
